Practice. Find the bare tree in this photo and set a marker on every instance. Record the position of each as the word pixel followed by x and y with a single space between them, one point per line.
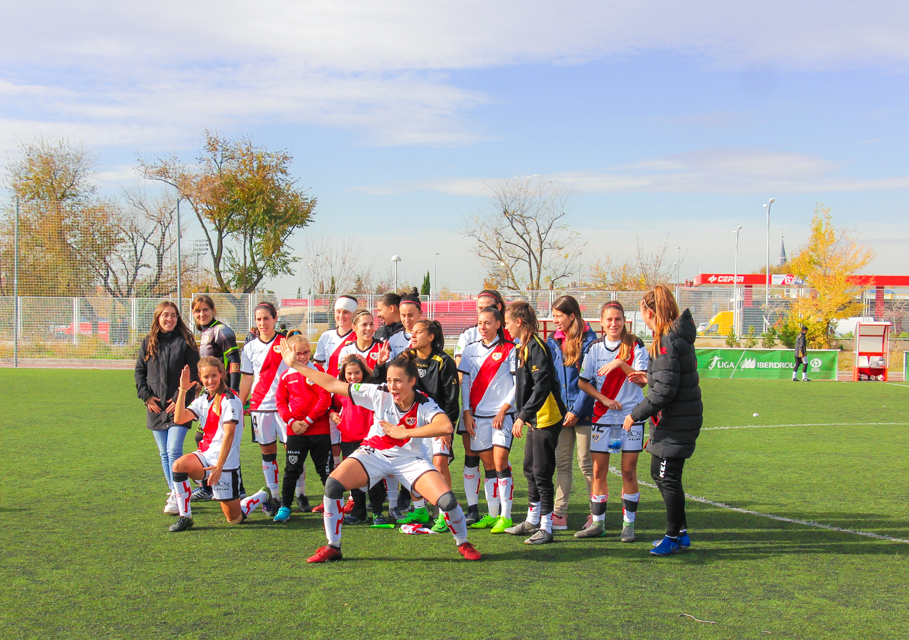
pixel 334 262
pixel 525 241
pixel 647 269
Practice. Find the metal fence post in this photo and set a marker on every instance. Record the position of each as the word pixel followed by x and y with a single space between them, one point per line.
pixel 75 320
pixel 16 310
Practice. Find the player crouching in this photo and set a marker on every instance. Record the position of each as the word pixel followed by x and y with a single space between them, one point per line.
pixel 401 415
pixel 220 412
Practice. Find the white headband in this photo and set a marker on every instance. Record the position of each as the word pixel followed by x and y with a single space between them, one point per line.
pixel 346 304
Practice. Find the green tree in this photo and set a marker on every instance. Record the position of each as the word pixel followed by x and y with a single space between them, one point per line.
pixel 247 204
pixel 826 263
pixel 426 289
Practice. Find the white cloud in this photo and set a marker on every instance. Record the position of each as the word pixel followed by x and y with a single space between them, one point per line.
pixel 107 69
pixel 730 170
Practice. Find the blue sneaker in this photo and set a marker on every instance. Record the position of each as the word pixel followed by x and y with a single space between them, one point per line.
pixel 684 541
pixel 283 515
pixel 666 547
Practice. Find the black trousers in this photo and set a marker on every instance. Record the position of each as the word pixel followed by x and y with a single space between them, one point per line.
pixel 298 447
pixel 667 473
pixel 539 465
pixel 804 364
pixel 376 492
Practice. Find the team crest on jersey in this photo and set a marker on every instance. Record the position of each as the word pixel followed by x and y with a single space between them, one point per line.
pixel 309 382
pixel 497 356
pixel 373 356
pixel 276 348
pixel 206 338
pixel 410 421
pixel 422 372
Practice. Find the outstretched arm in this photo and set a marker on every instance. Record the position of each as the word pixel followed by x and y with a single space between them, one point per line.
pixel 327 382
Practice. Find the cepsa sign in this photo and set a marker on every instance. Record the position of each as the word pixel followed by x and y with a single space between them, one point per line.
pixel 754 279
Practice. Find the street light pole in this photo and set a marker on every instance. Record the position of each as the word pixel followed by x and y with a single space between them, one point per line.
pixel 434 289
pixel 396 259
pixel 735 283
pixel 767 280
pixel 179 264
pixel 678 278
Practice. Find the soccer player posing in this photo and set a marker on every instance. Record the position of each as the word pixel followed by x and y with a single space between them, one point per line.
pixel 609 367
pixel 303 407
pixel 402 414
pixel 218 458
pixel 262 368
pixel 487 385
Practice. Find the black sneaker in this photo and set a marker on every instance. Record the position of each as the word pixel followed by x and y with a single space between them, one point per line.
pixel 203 492
pixel 396 514
pixel 270 508
pixel 303 504
pixel 805 380
pixel 182 524
pixel 473 515
pixel 352 519
pixel 382 520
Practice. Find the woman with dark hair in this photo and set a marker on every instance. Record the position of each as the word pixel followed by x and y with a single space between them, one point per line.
pixel 486 298
pixel 674 407
pixel 568 344
pixel 438 379
pixel 217 339
pixel 402 416
pixel 538 404
pixel 168 347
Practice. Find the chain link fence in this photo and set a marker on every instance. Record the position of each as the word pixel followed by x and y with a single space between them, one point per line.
pixel 105 332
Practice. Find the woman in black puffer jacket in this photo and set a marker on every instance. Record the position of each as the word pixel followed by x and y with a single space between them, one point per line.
pixel 673 404
pixel 168 347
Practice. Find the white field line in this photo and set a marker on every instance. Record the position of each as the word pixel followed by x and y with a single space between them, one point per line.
pixel 811 424
pixel 896 384
pixel 807 523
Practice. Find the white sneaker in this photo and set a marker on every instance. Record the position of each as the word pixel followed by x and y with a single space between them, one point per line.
pixel 170 507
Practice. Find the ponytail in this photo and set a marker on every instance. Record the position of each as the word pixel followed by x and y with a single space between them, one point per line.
pixel 521 310
pixel 661 302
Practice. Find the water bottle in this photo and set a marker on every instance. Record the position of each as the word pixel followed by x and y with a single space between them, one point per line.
pixel 614 443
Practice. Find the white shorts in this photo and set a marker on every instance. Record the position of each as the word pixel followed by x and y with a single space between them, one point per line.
pixel 632 441
pixel 406 468
pixel 486 436
pixel 228 487
pixel 335 432
pixel 267 427
pixel 433 447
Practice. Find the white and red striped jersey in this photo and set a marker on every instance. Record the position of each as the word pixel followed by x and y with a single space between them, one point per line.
pixel 371 354
pixel 470 335
pixel 328 350
pixel 212 413
pixel 397 343
pixel 263 361
pixel 488 377
pixel 613 385
pixel 377 399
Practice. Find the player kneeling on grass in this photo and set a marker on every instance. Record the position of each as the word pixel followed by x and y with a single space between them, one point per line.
pixel 402 415
pixel 218 459
pixel 613 373
pixel 303 407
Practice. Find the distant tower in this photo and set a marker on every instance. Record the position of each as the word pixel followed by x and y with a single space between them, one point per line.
pixel 782 251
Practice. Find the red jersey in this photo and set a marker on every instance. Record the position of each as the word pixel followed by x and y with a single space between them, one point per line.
pixel 302 399
pixel 355 421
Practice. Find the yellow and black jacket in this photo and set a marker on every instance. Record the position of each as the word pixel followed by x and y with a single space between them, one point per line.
pixel 538 396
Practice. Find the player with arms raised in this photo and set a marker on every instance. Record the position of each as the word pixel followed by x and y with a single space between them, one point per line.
pixel 403 415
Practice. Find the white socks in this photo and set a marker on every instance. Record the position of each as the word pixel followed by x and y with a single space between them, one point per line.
pixel 332 518
pixel 249 503
pixel 491 488
pixel 457 524
pixel 472 485
pixel 184 495
pixel 270 471
pixel 630 506
pixel 546 522
pixel 533 513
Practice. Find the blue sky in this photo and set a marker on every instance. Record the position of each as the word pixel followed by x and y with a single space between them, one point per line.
pixel 678 118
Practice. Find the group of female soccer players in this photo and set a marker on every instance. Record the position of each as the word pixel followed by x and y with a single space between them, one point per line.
pixel 389 402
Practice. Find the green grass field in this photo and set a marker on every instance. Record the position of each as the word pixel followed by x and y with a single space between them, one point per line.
pixel 86 552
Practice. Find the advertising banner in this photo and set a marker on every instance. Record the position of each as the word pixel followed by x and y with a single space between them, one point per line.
pixel 764 364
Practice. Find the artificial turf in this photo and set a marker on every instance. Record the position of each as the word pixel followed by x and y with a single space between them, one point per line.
pixel 86 552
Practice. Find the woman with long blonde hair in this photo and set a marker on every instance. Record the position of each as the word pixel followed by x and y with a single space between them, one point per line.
pixel 673 404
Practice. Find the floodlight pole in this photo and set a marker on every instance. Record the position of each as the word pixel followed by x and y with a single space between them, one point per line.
pixel 179 263
pixel 767 273
pixel 16 291
pixel 433 289
pixel 735 284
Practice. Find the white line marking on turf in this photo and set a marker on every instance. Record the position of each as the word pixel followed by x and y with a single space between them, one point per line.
pixel 811 424
pixel 807 523
pixel 896 384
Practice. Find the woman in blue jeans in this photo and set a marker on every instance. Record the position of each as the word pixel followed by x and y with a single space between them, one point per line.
pixel 168 347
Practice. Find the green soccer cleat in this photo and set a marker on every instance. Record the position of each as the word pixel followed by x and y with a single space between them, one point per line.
pixel 417 516
pixel 485 522
pixel 501 524
pixel 440 526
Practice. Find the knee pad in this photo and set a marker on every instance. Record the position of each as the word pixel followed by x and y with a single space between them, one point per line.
pixel 504 473
pixel 491 474
pixel 447 501
pixel 472 462
pixel 269 457
pixel 180 477
pixel 334 490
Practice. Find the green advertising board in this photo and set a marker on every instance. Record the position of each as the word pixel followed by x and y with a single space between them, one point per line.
pixel 764 364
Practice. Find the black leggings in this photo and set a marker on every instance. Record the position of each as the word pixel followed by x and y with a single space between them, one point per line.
pixel 803 362
pixel 317 446
pixel 539 465
pixel 376 492
pixel 667 473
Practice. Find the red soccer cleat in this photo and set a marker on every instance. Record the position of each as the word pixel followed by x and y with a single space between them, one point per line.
pixel 347 508
pixel 320 508
pixel 467 550
pixel 327 554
